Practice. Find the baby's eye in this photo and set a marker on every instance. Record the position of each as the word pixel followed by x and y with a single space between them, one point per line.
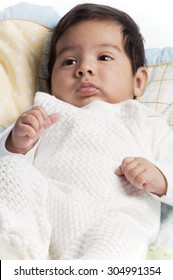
pixel 69 61
pixel 105 57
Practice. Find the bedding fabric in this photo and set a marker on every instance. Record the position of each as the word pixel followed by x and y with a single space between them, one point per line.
pixel 23 29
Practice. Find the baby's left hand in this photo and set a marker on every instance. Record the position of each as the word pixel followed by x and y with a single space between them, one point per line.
pixel 142 174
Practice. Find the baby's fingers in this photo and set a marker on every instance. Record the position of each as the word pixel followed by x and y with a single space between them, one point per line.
pixel 51 119
pixel 118 171
pixel 134 170
pixel 125 166
pixel 34 117
pixel 39 117
pixel 25 130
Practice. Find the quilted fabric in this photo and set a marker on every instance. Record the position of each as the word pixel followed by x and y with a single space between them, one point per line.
pixel 20 60
pixel 159 91
pixel 23 28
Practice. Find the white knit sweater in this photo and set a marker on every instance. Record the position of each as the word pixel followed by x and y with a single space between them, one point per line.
pixel 84 210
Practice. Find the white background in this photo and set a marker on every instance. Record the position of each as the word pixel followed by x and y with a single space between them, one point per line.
pixel 155 17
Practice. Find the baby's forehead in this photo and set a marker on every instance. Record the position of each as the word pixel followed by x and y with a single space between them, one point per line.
pixel 92 31
pixel 94 23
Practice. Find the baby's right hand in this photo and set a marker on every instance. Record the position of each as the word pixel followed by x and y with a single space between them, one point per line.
pixel 28 129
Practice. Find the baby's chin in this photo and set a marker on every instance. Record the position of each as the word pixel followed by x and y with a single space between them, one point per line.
pixel 81 102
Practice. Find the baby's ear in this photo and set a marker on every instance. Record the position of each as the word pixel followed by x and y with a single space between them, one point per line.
pixel 141 78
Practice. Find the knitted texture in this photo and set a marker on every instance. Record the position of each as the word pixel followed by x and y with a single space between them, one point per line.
pixel 96 214
pixel 90 212
pixel 24 227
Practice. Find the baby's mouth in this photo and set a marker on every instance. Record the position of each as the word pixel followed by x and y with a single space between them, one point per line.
pixel 87 89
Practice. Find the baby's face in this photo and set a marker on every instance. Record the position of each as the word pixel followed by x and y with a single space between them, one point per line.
pixel 91 65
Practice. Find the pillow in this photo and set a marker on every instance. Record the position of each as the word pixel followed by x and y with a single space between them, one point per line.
pixel 23 29
pixel 158 94
pixel 157 56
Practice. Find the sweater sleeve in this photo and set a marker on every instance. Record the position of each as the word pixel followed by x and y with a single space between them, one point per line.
pixel 4 152
pixel 160 138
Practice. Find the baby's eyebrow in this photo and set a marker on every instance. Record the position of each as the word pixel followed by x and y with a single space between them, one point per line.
pixel 66 49
pixel 97 46
pixel 107 45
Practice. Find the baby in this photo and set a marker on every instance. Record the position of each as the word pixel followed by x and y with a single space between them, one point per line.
pixel 83 172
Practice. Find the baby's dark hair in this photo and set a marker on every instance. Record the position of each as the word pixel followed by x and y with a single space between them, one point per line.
pixel 133 40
